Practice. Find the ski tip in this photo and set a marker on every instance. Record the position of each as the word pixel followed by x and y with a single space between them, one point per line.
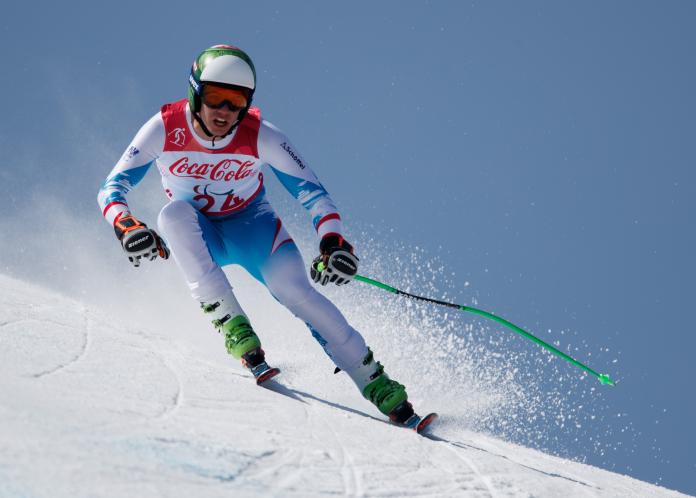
pixel 267 375
pixel 425 422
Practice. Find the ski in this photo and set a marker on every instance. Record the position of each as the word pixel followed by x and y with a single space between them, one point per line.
pixel 425 422
pixel 262 372
pixel 267 375
pixel 419 424
pixel 255 361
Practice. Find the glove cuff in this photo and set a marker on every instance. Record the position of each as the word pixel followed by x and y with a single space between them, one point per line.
pixel 333 241
pixel 127 224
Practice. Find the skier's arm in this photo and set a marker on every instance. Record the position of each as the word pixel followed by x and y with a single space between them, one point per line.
pixel 130 169
pixel 137 240
pixel 296 176
pixel 336 262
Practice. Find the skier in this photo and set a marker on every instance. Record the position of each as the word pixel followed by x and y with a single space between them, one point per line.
pixel 210 150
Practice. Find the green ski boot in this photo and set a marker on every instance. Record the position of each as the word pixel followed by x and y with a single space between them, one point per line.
pixel 229 320
pixel 240 338
pixel 386 394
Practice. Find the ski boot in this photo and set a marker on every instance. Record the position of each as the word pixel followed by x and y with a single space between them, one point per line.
pixel 240 339
pixel 386 394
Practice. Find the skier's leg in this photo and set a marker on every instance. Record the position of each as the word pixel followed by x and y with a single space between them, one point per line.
pixel 199 252
pixel 194 245
pixel 285 275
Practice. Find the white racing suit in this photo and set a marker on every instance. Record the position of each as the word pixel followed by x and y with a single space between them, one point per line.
pixel 218 214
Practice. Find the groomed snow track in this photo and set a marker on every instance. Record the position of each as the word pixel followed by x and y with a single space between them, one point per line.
pixel 90 408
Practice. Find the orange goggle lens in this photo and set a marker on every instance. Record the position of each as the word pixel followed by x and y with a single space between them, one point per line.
pixel 216 97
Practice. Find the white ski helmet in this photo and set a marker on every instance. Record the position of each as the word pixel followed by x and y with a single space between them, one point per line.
pixel 222 65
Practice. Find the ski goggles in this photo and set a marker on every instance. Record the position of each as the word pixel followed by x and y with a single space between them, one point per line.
pixel 217 97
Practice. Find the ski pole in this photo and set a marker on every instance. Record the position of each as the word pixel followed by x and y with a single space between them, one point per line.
pixel 603 378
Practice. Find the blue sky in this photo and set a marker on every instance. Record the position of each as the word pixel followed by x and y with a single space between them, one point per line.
pixel 542 151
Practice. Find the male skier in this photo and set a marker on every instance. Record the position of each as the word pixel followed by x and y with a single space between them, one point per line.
pixel 210 150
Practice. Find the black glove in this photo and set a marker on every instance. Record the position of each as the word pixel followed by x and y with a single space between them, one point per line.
pixel 336 262
pixel 138 241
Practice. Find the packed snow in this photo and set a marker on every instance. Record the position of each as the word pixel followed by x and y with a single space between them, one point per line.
pixel 103 406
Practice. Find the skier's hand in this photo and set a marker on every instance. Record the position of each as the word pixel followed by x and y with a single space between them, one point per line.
pixel 336 262
pixel 138 241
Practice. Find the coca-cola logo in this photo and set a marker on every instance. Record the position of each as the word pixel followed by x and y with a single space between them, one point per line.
pixel 225 170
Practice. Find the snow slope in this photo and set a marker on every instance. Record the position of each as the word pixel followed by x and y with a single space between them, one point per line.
pixel 91 407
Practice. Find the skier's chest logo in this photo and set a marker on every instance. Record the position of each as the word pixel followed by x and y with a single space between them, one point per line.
pixel 177 137
pixel 224 170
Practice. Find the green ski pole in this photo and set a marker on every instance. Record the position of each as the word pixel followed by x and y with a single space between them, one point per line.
pixel 603 378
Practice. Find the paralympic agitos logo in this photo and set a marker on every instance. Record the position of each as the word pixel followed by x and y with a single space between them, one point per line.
pixel 224 170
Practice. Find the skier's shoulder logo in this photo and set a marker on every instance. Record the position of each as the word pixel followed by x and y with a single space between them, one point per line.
pixel 130 153
pixel 177 137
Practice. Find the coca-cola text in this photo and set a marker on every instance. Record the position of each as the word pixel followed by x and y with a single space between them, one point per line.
pixel 225 170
